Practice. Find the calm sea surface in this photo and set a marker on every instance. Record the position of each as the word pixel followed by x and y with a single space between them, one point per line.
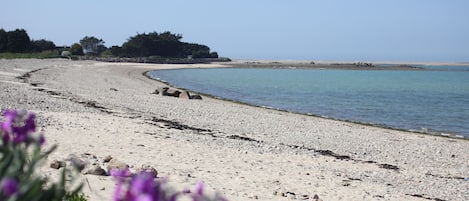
pixel 430 101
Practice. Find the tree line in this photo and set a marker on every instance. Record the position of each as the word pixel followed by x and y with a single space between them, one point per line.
pixel 164 44
pixel 153 44
pixel 18 41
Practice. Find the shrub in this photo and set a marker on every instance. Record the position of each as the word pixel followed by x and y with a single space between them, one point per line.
pixel 76 49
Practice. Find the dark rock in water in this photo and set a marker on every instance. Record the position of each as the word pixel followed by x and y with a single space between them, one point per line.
pixel 196 97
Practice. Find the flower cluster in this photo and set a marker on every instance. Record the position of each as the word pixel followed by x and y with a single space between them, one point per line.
pixel 19 127
pixel 145 187
pixel 20 156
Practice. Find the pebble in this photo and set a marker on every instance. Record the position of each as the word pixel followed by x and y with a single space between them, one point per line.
pixel 77 162
pixel 95 170
pixel 107 158
pixel 114 163
pixel 56 164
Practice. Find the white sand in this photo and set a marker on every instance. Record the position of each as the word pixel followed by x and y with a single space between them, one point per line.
pixel 272 151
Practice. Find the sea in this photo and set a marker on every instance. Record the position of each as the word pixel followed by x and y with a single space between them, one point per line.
pixel 434 101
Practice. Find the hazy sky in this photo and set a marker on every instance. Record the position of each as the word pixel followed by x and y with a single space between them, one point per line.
pixel 365 30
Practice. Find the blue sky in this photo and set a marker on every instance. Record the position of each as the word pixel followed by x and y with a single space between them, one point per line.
pixel 365 30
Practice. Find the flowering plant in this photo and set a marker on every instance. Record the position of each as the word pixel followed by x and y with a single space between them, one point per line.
pixel 145 187
pixel 20 154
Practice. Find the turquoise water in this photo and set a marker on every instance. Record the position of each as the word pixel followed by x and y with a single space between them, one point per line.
pixel 430 101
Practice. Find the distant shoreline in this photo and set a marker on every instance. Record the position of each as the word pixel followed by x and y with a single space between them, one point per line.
pixel 284 64
pixel 333 66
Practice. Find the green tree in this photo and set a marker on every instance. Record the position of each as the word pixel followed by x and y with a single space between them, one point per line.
pixel 41 45
pixel 165 44
pixel 92 45
pixel 3 40
pixel 76 49
pixel 196 50
pixel 213 55
pixel 116 51
pixel 18 41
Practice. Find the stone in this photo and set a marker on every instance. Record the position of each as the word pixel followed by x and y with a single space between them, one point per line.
pixel 107 158
pixel 56 164
pixel 290 195
pixel 172 92
pixel 95 170
pixel 148 169
pixel 77 162
pixel 185 95
pixel 156 92
pixel 114 163
pixel 316 197
pixel 196 97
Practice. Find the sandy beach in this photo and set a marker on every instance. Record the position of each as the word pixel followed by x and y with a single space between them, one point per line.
pixel 240 151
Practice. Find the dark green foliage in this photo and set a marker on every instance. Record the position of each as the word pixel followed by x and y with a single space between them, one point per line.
pixel 152 44
pixel 42 45
pixel 116 50
pixel 196 50
pixel 3 40
pixel 75 197
pixel 213 55
pixel 18 41
pixel 76 49
pixel 164 44
pixel 17 44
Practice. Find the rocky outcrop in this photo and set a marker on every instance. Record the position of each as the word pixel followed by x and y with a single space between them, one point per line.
pixel 166 91
pixel 90 164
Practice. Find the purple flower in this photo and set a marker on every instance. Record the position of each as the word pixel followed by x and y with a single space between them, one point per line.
pixel 22 132
pixel 7 124
pixel 19 126
pixel 199 188
pixel 120 174
pixel 42 139
pixel 9 186
pixel 143 184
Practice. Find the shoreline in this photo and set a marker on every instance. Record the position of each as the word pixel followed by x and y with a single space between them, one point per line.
pixel 244 152
pixel 429 132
